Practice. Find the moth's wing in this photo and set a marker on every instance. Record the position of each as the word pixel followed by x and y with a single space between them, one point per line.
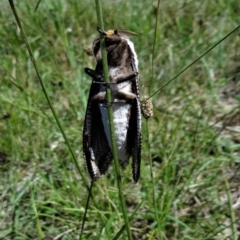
pixel 134 137
pixel 97 152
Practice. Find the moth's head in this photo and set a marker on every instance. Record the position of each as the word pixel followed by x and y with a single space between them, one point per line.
pixel 110 34
pixel 117 32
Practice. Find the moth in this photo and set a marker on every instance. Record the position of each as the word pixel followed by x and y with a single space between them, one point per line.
pixel 124 80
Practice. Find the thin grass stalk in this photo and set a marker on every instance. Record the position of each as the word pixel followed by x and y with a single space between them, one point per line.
pixel 170 199
pixel 196 60
pixel 152 179
pixel 44 90
pixel 37 5
pixel 164 207
pixel 85 212
pixel 232 213
pixel 147 123
pixel 38 223
pixel 110 117
pixel 154 44
pixel 119 233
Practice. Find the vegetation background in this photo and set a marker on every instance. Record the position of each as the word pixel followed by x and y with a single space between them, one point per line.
pixel 193 139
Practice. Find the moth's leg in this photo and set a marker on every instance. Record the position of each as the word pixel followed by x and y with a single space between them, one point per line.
pixel 129 77
pixel 100 97
pixel 119 97
pixel 120 79
pixel 97 76
pixel 94 74
pixel 125 95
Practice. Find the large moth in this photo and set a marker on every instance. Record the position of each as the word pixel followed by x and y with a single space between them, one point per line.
pixel 123 75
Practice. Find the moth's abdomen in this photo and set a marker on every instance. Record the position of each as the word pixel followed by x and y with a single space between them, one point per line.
pixel 121 114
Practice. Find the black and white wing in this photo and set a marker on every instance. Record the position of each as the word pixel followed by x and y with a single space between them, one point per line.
pixel 97 152
pixel 134 137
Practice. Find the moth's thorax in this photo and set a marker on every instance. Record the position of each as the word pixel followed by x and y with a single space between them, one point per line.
pixel 120 51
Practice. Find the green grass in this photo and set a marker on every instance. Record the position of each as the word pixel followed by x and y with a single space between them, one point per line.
pixel 193 135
